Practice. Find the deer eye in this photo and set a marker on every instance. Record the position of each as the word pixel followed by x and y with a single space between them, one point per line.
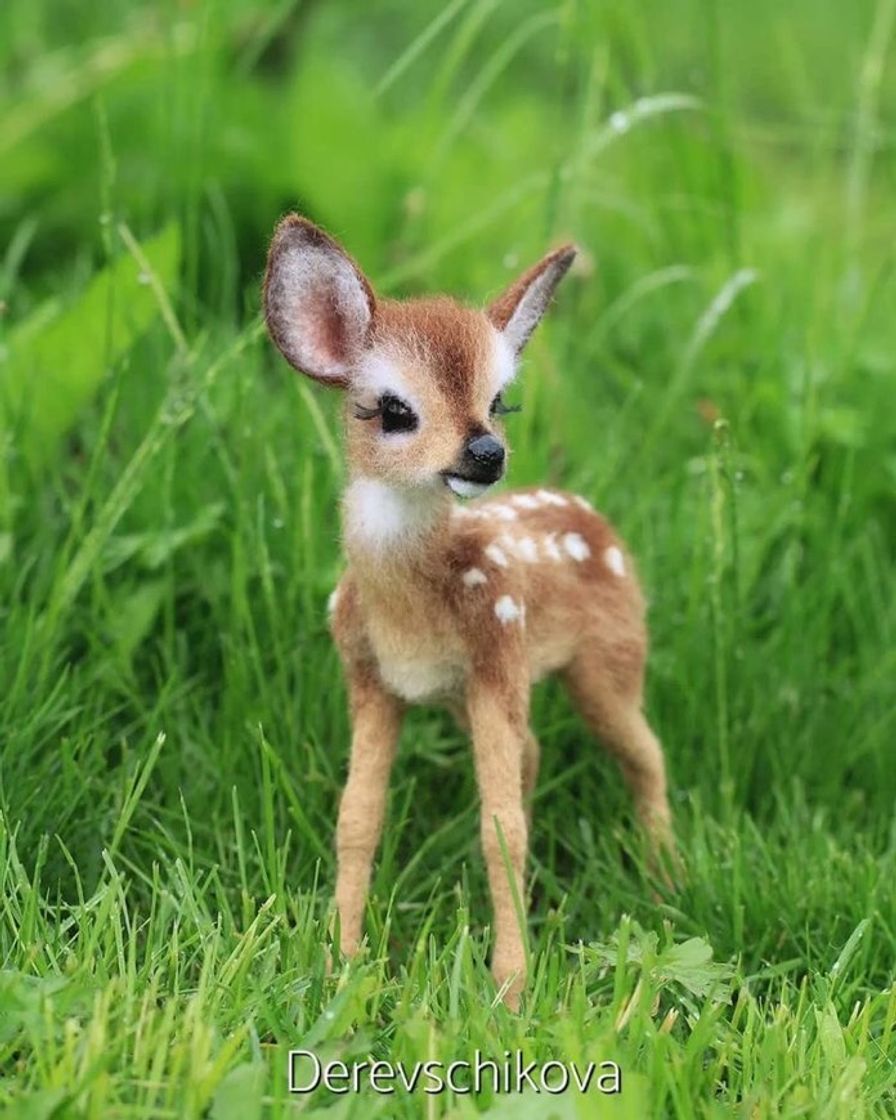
pixel 396 415
pixel 499 408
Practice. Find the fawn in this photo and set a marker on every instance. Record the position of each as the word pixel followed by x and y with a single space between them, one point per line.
pixel 460 605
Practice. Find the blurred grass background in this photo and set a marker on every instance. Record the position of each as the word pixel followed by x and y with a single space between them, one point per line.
pixel 717 376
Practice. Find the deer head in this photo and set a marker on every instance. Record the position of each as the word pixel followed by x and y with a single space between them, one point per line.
pixel 423 377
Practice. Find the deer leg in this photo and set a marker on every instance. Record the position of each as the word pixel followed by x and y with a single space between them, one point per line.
pixel 376 721
pixel 498 751
pixel 531 756
pixel 617 720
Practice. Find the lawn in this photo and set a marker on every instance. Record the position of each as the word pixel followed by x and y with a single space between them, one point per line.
pixel 717 376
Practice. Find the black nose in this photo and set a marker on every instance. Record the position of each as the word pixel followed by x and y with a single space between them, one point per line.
pixel 483 458
pixel 487 450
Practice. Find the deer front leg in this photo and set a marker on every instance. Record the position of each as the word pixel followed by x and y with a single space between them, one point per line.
pixel 499 735
pixel 376 721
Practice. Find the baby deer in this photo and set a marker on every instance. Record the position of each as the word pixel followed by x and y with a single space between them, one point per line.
pixel 461 605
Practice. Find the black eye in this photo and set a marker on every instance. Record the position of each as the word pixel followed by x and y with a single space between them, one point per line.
pixel 397 416
pixel 499 408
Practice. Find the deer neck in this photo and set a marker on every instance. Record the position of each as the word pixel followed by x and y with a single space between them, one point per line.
pixel 394 532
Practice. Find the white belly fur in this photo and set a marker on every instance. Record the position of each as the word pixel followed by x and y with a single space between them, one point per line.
pixel 419 681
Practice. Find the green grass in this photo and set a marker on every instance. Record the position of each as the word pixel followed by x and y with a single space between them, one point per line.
pixel 718 377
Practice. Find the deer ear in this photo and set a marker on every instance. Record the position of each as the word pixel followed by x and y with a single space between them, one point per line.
pixel 517 312
pixel 318 305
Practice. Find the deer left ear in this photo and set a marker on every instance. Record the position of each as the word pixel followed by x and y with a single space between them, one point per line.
pixel 517 312
pixel 318 305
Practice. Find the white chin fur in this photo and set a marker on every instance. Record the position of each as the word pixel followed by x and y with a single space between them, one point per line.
pixel 466 489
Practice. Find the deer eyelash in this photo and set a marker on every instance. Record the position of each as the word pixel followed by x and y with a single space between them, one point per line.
pixel 499 408
pixel 363 413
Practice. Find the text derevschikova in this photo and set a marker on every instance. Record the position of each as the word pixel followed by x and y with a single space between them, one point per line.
pixel 509 1074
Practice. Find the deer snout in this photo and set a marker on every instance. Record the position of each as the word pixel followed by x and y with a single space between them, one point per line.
pixel 482 459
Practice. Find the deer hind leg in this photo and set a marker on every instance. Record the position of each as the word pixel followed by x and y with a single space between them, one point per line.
pixel 613 712
pixel 531 756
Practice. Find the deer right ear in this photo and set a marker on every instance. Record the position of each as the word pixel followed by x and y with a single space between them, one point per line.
pixel 518 311
pixel 318 305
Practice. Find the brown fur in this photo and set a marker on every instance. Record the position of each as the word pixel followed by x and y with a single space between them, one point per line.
pixel 449 339
pixel 501 310
pixel 468 607
pixel 440 349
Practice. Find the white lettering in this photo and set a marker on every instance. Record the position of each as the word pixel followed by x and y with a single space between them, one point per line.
pixel 546 1071
pixel 508 1074
pixel 479 1068
pixel 336 1071
pixel 580 1082
pixel 385 1070
pixel 449 1077
pixel 294 1055
pixel 611 1081
pixel 431 1070
pixel 524 1073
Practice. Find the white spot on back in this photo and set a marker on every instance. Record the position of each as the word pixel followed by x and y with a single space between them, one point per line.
pixel 614 560
pixel 526 501
pixel 473 577
pixel 526 549
pixel 551 548
pixel 505 512
pixel 583 502
pixel 496 555
pixel 333 600
pixel 508 610
pixel 551 499
pixel 575 545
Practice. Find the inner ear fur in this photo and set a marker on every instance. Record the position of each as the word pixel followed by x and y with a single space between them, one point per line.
pixel 319 306
pixel 518 310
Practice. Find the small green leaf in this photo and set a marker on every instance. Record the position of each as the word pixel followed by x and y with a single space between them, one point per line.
pixel 690 964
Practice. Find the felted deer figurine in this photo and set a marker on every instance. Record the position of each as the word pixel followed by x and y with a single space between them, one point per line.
pixel 461 605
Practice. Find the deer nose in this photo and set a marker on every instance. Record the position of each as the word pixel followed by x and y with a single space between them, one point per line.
pixel 487 450
pixel 483 458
